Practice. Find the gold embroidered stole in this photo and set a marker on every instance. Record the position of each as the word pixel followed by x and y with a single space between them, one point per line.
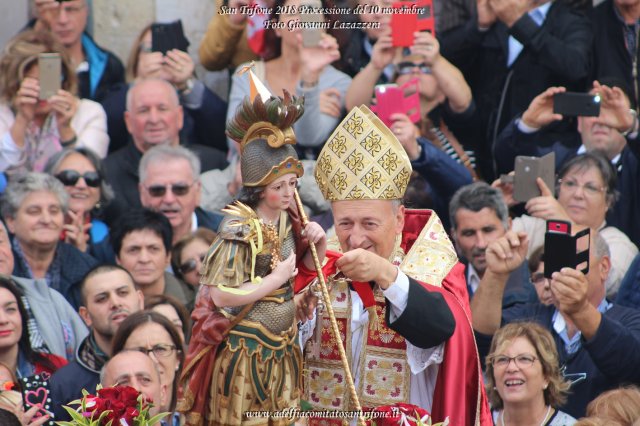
pixel 384 373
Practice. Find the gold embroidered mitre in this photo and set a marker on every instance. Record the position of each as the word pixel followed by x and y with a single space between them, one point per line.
pixel 362 160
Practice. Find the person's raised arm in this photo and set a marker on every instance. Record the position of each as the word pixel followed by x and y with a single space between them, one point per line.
pixel 449 78
pixel 363 84
pixel 503 256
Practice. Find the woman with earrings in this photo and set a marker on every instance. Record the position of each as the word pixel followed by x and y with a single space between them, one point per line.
pixel 524 381
pixel 81 172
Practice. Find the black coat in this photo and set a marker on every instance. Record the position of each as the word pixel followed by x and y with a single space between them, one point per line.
pixel 122 173
pixel 203 126
pixel 610 55
pixel 555 54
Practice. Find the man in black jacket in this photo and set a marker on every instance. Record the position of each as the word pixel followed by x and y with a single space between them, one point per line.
pixel 512 51
pixel 615 44
pixel 615 133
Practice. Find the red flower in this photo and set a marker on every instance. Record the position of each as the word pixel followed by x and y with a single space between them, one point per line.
pixel 130 414
pixel 129 396
pixel 110 394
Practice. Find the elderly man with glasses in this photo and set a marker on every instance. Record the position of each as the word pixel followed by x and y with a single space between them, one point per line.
pixel 170 184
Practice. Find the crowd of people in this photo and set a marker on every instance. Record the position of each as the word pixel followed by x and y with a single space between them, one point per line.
pixel 158 235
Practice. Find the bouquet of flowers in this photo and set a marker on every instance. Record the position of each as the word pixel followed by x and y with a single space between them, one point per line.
pixel 113 406
pixel 400 414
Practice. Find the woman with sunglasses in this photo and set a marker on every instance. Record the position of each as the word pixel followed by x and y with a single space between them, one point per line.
pixel 446 104
pixel 152 333
pixel 524 382
pixel 187 256
pixel 33 129
pixel 81 172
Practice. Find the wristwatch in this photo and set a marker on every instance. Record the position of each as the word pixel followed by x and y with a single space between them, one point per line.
pixel 188 87
pixel 634 125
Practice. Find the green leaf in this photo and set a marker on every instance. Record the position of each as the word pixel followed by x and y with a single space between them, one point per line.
pixel 75 416
pixel 155 419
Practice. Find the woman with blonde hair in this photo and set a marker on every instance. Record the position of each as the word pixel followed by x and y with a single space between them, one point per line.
pixel 524 383
pixel 33 129
pixel 620 405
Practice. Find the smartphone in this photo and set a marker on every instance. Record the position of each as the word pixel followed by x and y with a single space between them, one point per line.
pixel 167 36
pixel 561 249
pixel 35 392
pixel 403 25
pixel 392 99
pixel 574 104
pixel 426 16
pixel 311 33
pixel 527 170
pixel 50 69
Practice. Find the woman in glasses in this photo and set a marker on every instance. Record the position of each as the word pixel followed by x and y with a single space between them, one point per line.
pixel 152 333
pixel 524 382
pixel 34 206
pixel 33 129
pixel 585 191
pixel 81 172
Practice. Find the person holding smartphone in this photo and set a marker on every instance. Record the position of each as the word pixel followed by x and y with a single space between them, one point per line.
pixel 34 129
pixel 597 340
pixel 303 71
pixel 204 111
pixel 446 104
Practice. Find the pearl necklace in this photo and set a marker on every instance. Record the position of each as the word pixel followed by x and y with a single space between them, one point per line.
pixel 544 419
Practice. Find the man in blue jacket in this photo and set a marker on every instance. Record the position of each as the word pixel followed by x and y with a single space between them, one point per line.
pixel 97 68
pixel 108 298
pixel 598 342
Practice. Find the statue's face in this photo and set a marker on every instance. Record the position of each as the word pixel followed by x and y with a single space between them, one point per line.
pixel 368 224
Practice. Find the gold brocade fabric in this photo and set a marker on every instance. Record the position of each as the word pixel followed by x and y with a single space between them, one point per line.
pixel 362 159
pixel 258 365
pixel 383 370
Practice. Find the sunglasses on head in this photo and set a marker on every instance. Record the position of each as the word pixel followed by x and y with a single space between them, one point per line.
pixel 177 189
pixel 405 68
pixel 190 265
pixel 71 177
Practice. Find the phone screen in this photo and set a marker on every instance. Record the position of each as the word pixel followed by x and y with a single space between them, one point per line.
pixel 576 104
pixel 50 70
